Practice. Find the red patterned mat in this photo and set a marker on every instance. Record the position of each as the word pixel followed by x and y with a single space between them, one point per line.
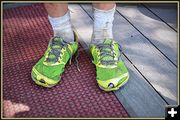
pixel 26 32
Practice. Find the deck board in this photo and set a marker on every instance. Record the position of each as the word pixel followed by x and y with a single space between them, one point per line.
pixel 138 97
pixel 137 88
pixel 166 12
pixel 157 32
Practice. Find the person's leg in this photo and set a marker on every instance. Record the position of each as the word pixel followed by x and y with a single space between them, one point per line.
pixel 103 19
pixel 111 73
pixel 59 18
pixel 48 70
pixel 56 10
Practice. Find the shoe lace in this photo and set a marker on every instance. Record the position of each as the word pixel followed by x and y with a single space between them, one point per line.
pixel 56 45
pixel 77 62
pixel 107 54
pixel 76 58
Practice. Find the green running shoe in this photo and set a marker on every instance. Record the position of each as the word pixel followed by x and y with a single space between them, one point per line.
pixel 48 70
pixel 111 72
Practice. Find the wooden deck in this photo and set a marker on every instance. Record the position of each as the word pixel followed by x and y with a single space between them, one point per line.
pixel 148 36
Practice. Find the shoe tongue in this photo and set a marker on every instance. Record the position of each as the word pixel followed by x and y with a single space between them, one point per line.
pixel 107 41
pixel 56 45
pixel 107 50
pixel 57 40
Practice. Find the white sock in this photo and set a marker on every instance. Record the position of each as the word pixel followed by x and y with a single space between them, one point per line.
pixel 62 27
pixel 103 23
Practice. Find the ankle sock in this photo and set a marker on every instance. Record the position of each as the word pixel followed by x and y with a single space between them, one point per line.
pixel 62 27
pixel 103 23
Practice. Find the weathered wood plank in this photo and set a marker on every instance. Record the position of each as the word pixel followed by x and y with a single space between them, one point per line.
pixel 161 73
pixel 137 95
pixel 161 35
pixel 166 12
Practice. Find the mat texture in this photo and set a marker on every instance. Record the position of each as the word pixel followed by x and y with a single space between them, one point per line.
pixel 26 32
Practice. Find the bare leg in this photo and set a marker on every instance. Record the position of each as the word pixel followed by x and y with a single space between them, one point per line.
pixel 56 10
pixel 104 6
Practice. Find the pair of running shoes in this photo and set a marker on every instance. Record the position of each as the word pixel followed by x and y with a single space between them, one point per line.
pixel 111 72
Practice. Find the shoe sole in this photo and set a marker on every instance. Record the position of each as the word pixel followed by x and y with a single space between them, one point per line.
pixel 115 88
pixel 42 82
